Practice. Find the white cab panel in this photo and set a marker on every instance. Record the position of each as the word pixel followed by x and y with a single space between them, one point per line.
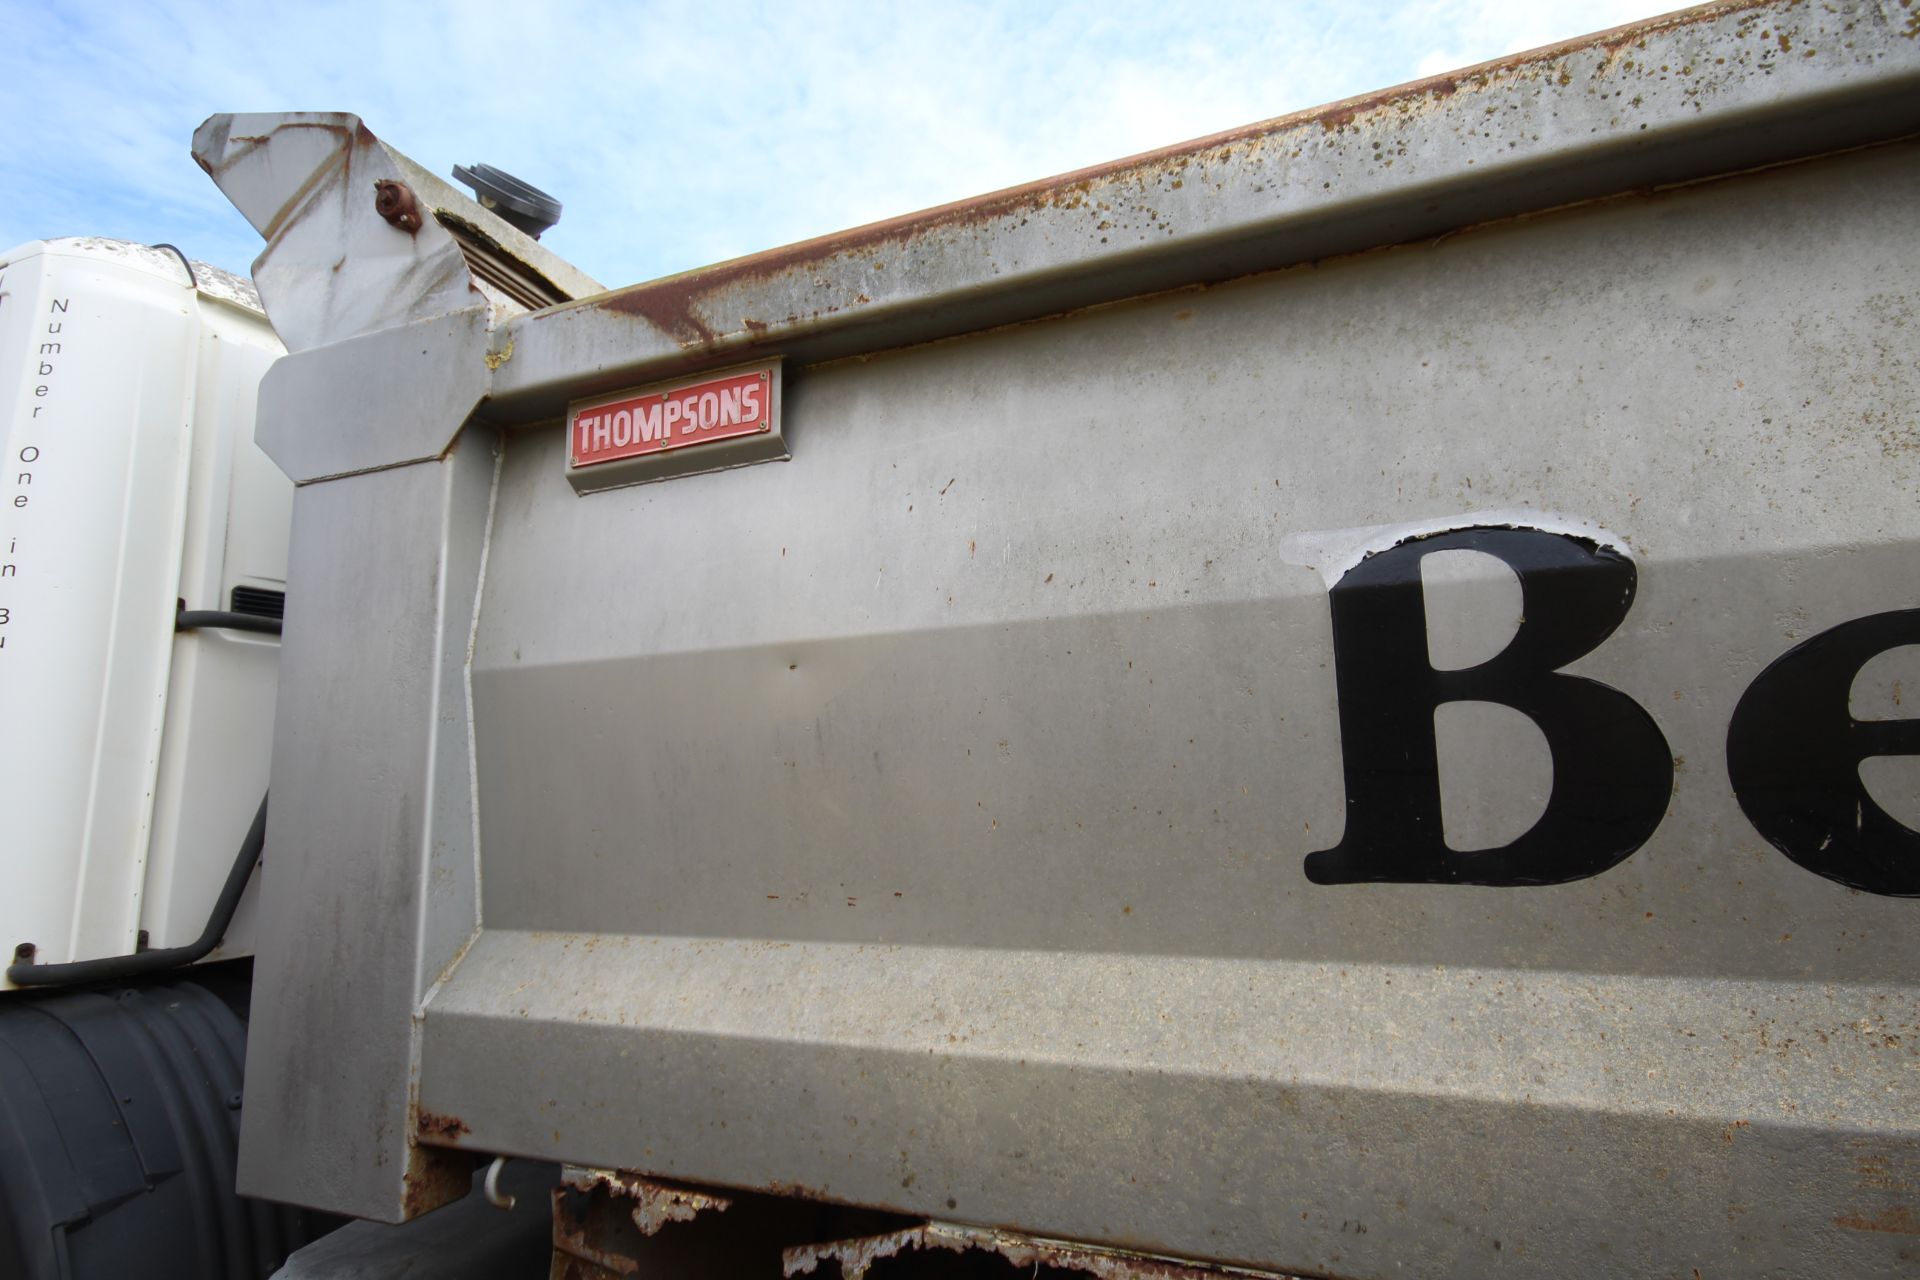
pixel 131 759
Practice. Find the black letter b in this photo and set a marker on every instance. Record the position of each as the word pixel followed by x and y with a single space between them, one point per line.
pixel 1612 770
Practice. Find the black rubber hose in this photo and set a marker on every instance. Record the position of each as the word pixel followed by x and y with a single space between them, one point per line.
pixel 192 278
pixel 194 619
pixel 113 968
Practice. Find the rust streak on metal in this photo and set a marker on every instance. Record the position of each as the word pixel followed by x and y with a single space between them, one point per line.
pixel 320 175
pixel 1334 118
pixel 676 304
pixel 433 1178
pixel 795 1191
pixel 667 307
pixel 571 1240
pixel 856 1257
pixel 1899 1219
pixel 655 1203
pixel 433 1125
pixel 294 206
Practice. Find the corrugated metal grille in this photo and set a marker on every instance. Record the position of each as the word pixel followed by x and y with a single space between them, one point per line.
pixel 261 602
pixel 493 264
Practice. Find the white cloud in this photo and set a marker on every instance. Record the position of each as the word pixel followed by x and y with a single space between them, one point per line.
pixel 1482 30
pixel 680 133
pixel 1438 61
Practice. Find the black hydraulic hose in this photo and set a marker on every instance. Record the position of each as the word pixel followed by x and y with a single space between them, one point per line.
pixel 192 278
pixel 24 973
pixel 194 619
pixel 113 968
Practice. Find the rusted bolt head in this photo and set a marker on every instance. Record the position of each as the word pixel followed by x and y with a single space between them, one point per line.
pixel 394 201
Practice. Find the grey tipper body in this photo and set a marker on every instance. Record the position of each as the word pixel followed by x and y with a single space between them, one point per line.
pixel 920 822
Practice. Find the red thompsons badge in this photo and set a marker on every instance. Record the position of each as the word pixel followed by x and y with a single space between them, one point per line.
pixel 712 422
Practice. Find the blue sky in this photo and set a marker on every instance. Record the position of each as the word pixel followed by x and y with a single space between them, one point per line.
pixel 679 134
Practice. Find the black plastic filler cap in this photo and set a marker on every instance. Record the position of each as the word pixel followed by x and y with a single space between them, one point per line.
pixel 526 207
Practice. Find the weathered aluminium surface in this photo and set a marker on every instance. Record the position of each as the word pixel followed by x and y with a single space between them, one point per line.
pixel 986 814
